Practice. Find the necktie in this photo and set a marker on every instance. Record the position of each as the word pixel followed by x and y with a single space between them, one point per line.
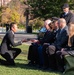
pixel 59 31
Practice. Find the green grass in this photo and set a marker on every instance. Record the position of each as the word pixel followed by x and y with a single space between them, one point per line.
pixel 22 68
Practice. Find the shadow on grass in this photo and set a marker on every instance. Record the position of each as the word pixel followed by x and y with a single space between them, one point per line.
pixel 22 63
pixel 33 67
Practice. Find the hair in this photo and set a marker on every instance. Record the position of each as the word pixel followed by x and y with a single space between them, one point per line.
pixel 62 20
pixel 51 25
pixel 48 21
pixel 11 25
pixel 71 34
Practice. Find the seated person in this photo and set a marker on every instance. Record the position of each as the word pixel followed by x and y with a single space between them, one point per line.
pixel 49 39
pixel 42 31
pixel 45 45
pixel 61 39
pixel 33 49
pixel 69 50
pixel 7 46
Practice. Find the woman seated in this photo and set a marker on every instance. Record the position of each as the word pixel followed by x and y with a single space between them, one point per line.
pixel 33 49
pixel 69 50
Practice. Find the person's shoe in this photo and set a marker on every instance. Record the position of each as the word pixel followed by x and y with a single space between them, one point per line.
pixel 61 70
pixel 45 68
pixel 31 63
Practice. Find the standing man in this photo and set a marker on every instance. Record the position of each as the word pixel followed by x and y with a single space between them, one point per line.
pixel 7 50
pixel 67 15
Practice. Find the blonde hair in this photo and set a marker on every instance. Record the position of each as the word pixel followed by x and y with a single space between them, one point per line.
pixel 71 34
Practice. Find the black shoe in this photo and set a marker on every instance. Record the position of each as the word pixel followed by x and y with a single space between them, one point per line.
pixel 45 68
pixel 31 63
pixel 3 62
pixel 61 70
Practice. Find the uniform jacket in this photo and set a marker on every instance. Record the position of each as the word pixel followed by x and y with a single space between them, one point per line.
pixel 68 17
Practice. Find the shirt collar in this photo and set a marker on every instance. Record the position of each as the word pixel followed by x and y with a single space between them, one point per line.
pixel 12 32
pixel 66 13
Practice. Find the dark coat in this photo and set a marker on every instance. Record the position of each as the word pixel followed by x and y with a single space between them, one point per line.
pixel 69 17
pixel 8 42
pixel 62 38
pixel 49 37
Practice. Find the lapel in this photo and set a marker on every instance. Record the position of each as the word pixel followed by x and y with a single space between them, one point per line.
pixel 63 29
pixel 60 32
pixel 12 33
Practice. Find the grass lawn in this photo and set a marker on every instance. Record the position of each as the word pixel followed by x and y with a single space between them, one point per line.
pixel 22 68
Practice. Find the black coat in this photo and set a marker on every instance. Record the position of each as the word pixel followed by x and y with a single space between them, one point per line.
pixel 49 37
pixel 62 38
pixel 69 17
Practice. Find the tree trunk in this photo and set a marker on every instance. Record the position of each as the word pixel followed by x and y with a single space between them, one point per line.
pixel 27 18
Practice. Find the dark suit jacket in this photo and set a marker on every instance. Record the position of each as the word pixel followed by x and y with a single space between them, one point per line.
pixel 62 38
pixel 69 17
pixel 8 42
pixel 49 37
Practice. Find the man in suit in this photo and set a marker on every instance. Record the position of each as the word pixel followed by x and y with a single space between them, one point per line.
pixel 67 15
pixel 60 42
pixel 7 46
pixel 62 34
pixel 69 50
